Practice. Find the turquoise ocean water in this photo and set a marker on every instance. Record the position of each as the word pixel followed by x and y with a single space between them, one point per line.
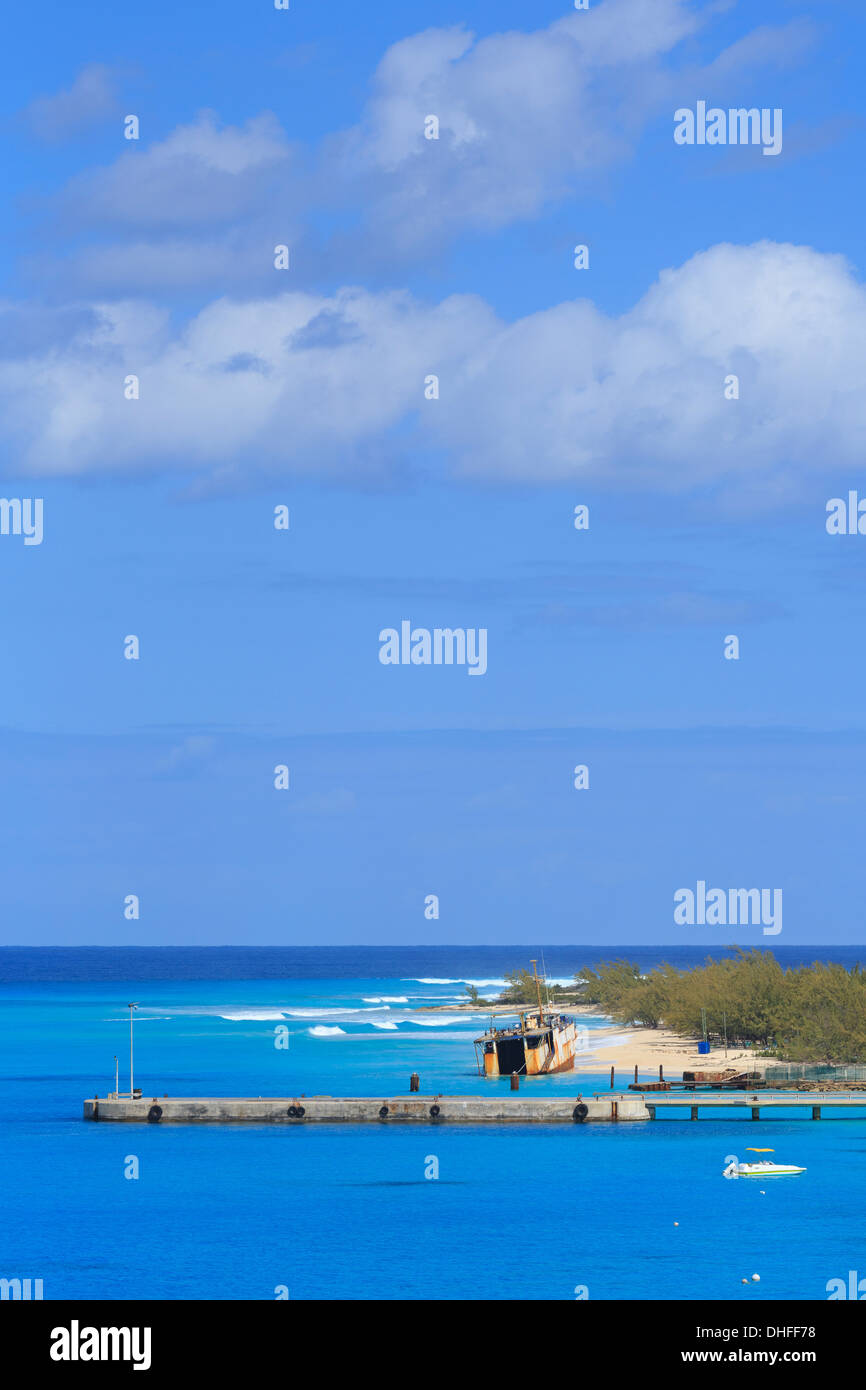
pixel 343 1212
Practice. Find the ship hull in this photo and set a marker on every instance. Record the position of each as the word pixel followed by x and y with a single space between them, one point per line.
pixel 532 1054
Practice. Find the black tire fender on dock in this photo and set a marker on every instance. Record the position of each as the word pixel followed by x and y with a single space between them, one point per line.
pixel 580 1111
pixel 154 1115
pixel 292 1112
pixel 434 1111
pixel 383 1112
pixel 300 1111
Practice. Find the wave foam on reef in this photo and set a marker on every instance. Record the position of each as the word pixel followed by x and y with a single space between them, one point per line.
pixel 463 980
pixel 436 1022
pixel 324 1013
pixel 252 1015
pixel 386 999
pixel 412 1019
pixel 322 1031
pixel 483 984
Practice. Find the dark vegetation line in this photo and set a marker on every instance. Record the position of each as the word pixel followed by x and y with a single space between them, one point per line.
pixel 807 1013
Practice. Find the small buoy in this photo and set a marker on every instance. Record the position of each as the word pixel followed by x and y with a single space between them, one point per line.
pixel 676 1223
pixel 756 1278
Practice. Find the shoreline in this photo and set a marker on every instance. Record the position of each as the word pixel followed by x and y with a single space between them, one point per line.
pixel 496 1009
pixel 644 1048
pixel 649 1048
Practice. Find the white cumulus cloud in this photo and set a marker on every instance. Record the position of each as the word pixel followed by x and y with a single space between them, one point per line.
pixel 334 385
pixel 526 120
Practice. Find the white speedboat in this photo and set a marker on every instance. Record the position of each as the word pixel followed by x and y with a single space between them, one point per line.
pixel 766 1169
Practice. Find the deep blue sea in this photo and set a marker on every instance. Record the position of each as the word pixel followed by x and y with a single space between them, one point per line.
pixel 346 1212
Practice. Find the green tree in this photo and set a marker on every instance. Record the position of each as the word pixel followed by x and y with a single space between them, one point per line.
pixel 814 1013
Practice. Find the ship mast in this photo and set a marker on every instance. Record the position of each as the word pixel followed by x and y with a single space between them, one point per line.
pixel 538 992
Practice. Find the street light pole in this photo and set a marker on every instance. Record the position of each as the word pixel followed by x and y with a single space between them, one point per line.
pixel 132 1008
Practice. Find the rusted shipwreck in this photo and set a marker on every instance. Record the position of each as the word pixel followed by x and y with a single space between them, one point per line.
pixel 542 1041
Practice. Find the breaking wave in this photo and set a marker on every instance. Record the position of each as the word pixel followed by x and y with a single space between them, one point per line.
pixel 463 980
pixel 247 1015
pixel 436 1022
pixel 324 1013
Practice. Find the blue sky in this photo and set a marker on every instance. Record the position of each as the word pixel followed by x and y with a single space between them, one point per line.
pixel 305 387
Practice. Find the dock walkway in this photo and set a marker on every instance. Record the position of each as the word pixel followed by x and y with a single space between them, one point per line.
pixel 354 1110
pixel 757 1101
pixel 439 1109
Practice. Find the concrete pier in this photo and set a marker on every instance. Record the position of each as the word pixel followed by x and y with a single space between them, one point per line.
pixel 434 1109
pixel 504 1108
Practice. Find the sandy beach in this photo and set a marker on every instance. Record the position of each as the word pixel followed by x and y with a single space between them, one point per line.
pixel 649 1048
pixel 627 1047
